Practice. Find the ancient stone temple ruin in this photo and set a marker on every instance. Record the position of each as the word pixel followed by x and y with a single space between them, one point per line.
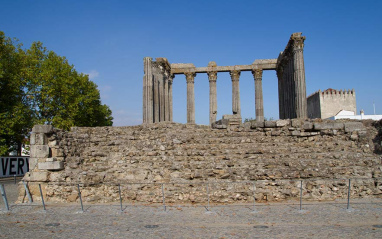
pixel 159 75
pixel 189 163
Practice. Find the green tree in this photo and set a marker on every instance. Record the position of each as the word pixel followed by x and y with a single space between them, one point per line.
pixel 61 96
pixel 39 87
pixel 15 115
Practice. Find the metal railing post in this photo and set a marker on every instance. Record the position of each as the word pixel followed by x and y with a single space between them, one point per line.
pixel 4 195
pixel 300 195
pixel 27 192
pixel 348 196
pixel 208 198
pixel 42 197
pixel 254 197
pixel 164 202
pixel 79 194
pixel 120 197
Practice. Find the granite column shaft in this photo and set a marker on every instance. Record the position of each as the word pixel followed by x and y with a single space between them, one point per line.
pixel 258 76
pixel 212 77
pixel 235 75
pixel 190 97
pixel 299 76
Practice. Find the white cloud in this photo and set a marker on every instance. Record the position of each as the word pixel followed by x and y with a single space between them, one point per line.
pixel 93 74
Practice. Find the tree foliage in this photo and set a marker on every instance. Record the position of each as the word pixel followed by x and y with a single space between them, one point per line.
pixel 39 87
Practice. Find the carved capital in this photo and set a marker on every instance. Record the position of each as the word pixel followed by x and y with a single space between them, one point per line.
pixel 212 75
pixel 190 77
pixel 257 74
pixel 155 65
pixel 298 43
pixel 235 74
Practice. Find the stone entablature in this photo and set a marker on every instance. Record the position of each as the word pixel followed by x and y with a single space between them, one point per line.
pixel 267 64
pixel 100 157
pixel 291 85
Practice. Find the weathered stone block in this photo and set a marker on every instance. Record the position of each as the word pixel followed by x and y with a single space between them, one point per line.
pixel 220 126
pixel 32 163
pixel 38 139
pixel 270 124
pixel 39 151
pixel 38 176
pixel 296 133
pixel 328 125
pixel 45 129
pixel 256 124
pixel 32 139
pixel 231 117
pixel 307 126
pixel 282 123
pixel 57 152
pixel 54 165
pixel 354 126
pixel 51 159
pixel 296 123
pixel 247 125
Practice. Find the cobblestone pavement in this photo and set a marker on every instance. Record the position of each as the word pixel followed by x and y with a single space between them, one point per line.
pixel 276 220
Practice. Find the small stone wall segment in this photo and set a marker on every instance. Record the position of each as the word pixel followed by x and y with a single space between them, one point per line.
pixel 186 157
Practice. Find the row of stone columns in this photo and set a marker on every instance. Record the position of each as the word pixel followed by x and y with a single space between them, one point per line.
pixel 291 80
pixel 236 110
pixel 157 92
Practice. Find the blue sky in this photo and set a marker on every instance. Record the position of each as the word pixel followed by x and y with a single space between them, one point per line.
pixel 109 39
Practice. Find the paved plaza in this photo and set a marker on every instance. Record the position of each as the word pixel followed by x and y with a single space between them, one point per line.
pixel 274 220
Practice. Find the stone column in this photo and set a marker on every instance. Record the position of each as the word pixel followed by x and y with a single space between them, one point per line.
pixel 281 93
pixel 299 76
pixel 288 76
pixel 258 76
pixel 212 76
pixel 162 97
pixel 190 97
pixel 156 98
pixel 166 110
pixel 235 75
pixel 170 80
pixel 147 110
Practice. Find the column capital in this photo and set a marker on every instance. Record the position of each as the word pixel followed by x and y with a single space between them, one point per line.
pixel 190 77
pixel 235 74
pixel 298 43
pixel 257 74
pixel 212 75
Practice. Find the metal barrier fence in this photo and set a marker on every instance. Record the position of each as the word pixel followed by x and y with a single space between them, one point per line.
pixel 160 187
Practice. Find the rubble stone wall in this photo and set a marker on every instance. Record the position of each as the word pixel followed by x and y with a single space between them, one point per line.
pixel 269 157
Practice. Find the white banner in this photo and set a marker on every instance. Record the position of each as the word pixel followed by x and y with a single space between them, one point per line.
pixel 13 166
